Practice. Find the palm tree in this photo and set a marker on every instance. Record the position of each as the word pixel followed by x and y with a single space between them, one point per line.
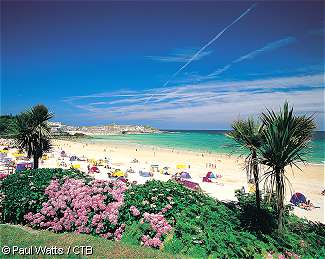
pixel 32 133
pixel 248 134
pixel 286 141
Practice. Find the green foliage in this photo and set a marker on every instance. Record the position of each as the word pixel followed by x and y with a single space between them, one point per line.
pixel 205 227
pixel 202 226
pixel 6 122
pixel 132 234
pixel 286 142
pixel 24 191
pixel 32 133
pixel 102 248
pixel 153 196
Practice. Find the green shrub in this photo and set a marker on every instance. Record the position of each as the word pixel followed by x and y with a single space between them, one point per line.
pixel 203 226
pixel 132 234
pixel 24 191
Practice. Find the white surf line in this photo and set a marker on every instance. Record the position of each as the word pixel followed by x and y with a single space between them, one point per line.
pixel 205 46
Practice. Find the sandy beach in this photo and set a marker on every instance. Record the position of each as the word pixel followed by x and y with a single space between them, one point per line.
pixel 309 181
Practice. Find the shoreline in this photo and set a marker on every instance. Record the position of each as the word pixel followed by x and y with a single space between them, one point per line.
pixel 177 149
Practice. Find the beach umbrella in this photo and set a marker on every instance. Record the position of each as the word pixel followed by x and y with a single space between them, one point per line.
pixel 75 166
pixel 181 166
pixel 18 154
pixel 118 173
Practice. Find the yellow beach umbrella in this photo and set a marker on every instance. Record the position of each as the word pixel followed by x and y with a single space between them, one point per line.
pixel 118 173
pixel 181 166
pixel 4 151
pixel 75 166
pixel 18 154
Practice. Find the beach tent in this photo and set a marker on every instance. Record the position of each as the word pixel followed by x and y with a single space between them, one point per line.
pixel 181 166
pixel 144 173
pixel 94 169
pixel 74 158
pixel 210 175
pixel 185 175
pixel 298 198
pixel 206 179
pixel 21 166
pixel 118 173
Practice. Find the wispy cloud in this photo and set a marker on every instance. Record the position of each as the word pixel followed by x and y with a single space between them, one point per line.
pixel 209 43
pixel 268 47
pixel 180 56
pixel 317 32
pixel 206 103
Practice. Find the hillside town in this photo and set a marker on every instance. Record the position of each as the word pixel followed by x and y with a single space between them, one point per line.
pixel 112 129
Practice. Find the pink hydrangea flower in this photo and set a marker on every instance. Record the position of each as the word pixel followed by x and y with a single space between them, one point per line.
pixel 134 211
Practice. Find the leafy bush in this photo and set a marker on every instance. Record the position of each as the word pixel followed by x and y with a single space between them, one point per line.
pixel 24 191
pixel 300 235
pixel 203 226
pixel 132 234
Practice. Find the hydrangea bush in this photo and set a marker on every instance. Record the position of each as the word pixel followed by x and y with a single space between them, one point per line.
pixel 80 207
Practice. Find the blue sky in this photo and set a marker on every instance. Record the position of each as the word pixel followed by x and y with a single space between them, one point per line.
pixel 175 65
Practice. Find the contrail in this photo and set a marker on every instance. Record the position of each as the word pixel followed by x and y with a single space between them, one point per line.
pixel 207 45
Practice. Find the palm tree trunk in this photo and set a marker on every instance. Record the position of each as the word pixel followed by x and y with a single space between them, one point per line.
pixel 35 158
pixel 280 197
pixel 256 180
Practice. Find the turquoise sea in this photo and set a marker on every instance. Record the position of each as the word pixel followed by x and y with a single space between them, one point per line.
pixel 204 141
